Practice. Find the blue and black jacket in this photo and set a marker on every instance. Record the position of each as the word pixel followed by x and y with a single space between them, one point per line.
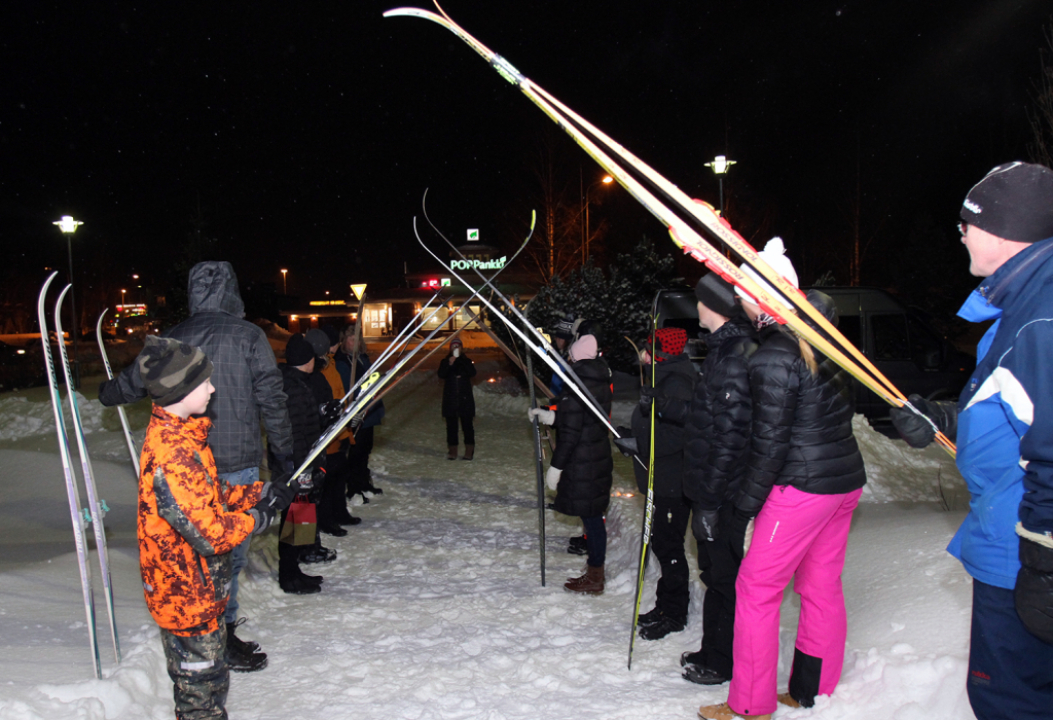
pixel 1005 417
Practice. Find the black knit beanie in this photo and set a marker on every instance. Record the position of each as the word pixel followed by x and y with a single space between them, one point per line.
pixel 1014 201
pixel 298 351
pixel 717 294
pixel 171 370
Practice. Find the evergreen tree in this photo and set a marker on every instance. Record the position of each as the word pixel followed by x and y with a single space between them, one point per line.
pixel 620 301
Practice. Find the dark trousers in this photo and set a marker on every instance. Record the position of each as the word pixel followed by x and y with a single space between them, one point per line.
pixel 199 673
pixel 719 568
pixel 1010 670
pixel 358 478
pixel 466 426
pixel 333 499
pixel 668 528
pixel 595 540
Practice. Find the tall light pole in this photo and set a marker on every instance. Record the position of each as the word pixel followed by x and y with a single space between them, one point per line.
pixel 606 180
pixel 68 226
pixel 285 283
pixel 122 301
pixel 720 167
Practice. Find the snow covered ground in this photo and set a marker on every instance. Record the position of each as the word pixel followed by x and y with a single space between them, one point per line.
pixel 434 607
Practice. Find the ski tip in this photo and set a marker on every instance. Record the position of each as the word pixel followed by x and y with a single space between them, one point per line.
pixel 415 12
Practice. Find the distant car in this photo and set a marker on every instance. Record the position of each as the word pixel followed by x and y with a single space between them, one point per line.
pixel 19 367
pixel 899 341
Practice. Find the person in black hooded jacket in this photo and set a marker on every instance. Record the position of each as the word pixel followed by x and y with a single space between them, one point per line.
pixel 718 438
pixel 670 398
pixel 458 400
pixel 581 471
pixel 803 480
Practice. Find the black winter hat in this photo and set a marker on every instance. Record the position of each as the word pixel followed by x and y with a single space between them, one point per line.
pixel 1014 201
pixel 298 351
pixel 717 294
pixel 564 328
pixel 171 370
pixel 318 341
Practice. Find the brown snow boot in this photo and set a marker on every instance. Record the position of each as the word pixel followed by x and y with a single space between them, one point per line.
pixel 590 583
pixel 469 452
pixel 452 452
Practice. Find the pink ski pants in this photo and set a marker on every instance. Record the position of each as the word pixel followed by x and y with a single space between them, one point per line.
pixel 800 536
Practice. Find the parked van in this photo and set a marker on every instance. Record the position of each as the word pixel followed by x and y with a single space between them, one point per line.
pixel 899 341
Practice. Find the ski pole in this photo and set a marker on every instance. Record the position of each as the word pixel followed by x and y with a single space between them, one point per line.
pixel 648 519
pixel 120 408
pixel 540 471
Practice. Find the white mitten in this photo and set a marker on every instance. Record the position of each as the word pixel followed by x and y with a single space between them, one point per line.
pixel 545 417
pixel 552 478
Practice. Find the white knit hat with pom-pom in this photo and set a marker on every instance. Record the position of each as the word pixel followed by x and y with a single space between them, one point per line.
pixel 774 253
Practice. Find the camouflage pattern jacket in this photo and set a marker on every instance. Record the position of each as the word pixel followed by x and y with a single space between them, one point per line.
pixel 188 523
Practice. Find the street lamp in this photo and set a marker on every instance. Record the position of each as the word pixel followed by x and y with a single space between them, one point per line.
pixel 68 226
pixel 720 167
pixel 606 180
pixel 285 284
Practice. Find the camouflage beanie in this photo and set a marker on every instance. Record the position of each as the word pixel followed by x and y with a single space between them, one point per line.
pixel 171 370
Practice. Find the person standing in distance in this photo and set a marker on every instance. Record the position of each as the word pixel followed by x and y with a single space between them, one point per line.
pixel 458 400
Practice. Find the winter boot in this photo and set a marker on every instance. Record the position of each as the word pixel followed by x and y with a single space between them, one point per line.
pixel 237 644
pixel 666 624
pixel 298 586
pixel 702 675
pixel 591 583
pixel 723 711
pixel 648 618
pixel 245 662
pixel 469 452
pixel 578 546
pixel 452 452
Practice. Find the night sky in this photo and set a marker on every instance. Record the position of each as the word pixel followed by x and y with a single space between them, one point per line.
pixel 302 135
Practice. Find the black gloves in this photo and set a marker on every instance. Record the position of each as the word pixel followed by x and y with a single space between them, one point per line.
pixel 1033 594
pixel 275 497
pixel 647 395
pixel 704 524
pixel 330 413
pixel 915 430
pixel 626 444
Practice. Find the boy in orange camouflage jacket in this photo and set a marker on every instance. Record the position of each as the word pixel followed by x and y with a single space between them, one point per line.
pixel 188 522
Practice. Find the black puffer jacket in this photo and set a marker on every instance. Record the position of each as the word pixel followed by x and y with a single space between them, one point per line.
pixel 303 412
pixel 674 383
pixel 583 450
pixel 457 397
pixel 248 384
pixel 718 428
pixel 802 423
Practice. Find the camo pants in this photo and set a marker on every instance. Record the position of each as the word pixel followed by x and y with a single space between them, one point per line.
pixel 197 667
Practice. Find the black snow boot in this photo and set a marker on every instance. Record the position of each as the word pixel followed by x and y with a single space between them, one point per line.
pixel 649 618
pixel 234 642
pixel 578 546
pixel 666 624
